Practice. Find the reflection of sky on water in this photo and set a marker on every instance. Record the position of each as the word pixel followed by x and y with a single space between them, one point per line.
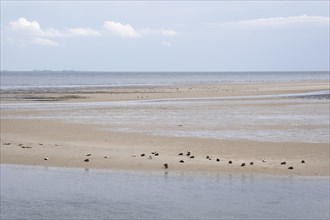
pixel 37 193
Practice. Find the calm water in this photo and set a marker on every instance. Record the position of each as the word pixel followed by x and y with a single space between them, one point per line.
pixel 32 79
pixel 58 193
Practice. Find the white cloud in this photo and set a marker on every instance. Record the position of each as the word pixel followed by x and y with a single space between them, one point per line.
pixel 23 25
pixel 122 30
pixel 31 32
pixel 301 20
pixel 166 44
pixel 34 34
pixel 127 31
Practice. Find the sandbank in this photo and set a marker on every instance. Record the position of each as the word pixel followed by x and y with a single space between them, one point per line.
pixel 66 144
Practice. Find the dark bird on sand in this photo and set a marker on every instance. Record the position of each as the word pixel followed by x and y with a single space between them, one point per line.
pixel 142 155
pixel 243 164
pixel 290 168
pixel 209 157
pixel 165 165
pixel 181 161
pixel 251 163
pixel 156 154
pixel 26 147
pixel 283 163
pixel 218 160
pixel 303 161
pixel 86 160
pixel 230 162
pixel 180 154
pixel 192 157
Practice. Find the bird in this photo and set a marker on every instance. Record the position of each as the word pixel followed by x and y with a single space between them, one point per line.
pixel 156 154
pixel 283 163
pixel 86 160
pixel 181 161
pixel 180 154
pixel 142 155
pixel 263 160
pixel 251 163
pixel 46 158
pixel 208 157
pixel 165 165
pixel 303 161
pixel 230 162
pixel 290 168
pixel 89 154
pixel 192 157
pixel 243 164
pixel 218 160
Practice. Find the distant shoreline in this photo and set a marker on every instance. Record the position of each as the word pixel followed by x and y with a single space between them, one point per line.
pixel 107 80
pixel 171 71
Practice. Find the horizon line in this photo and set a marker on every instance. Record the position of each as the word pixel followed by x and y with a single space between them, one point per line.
pixel 162 71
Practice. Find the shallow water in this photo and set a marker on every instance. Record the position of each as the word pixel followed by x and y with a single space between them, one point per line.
pixel 41 193
pixel 72 79
pixel 233 118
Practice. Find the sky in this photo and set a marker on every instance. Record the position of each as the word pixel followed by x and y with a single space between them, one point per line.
pixel 165 35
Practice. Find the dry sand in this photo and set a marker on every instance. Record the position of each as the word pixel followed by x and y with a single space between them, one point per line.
pixel 66 144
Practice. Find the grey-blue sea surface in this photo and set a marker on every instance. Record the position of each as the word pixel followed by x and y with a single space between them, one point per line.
pixel 64 79
pixel 61 193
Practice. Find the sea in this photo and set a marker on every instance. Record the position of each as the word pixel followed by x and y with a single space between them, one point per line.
pixel 62 193
pixel 35 192
pixel 67 79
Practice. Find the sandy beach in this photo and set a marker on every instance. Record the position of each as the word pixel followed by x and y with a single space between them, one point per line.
pixel 29 140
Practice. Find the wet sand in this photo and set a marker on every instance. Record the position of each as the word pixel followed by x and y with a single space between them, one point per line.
pixel 66 144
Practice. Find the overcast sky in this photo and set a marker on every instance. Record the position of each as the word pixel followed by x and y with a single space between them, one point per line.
pixel 165 35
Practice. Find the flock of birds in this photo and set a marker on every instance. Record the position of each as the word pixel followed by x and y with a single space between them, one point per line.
pixel 189 155
pixel 166 166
